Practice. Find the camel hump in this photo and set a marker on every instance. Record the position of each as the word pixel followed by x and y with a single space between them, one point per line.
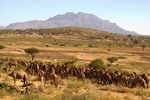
pixel 20 73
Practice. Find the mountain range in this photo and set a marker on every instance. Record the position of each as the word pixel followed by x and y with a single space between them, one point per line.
pixel 1 27
pixel 71 19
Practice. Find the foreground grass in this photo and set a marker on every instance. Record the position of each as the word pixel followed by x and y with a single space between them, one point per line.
pixel 73 89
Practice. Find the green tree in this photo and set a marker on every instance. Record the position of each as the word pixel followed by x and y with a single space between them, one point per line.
pixel 32 52
pixel 130 35
pixel 112 59
pixel 2 47
pixel 143 47
pixel 97 64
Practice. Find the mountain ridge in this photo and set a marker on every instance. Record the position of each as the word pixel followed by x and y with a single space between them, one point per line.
pixel 70 19
pixel 1 27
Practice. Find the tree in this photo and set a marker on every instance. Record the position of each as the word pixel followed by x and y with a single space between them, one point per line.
pixel 130 35
pixel 32 52
pixel 2 47
pixel 112 59
pixel 97 64
pixel 143 47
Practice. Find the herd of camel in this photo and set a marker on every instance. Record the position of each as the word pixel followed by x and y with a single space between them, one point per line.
pixel 46 71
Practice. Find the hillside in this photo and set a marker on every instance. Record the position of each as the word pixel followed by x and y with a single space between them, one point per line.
pixel 1 27
pixel 74 36
pixel 70 19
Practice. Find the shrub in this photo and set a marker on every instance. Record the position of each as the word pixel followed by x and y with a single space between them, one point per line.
pixel 112 59
pixel 2 47
pixel 97 64
pixel 121 57
pixel 136 41
pixel 108 64
pixel 90 45
pixel 47 46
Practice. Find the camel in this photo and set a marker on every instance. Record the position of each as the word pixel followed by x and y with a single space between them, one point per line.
pixel 51 76
pixel 41 75
pixel 145 77
pixel 12 63
pixel 19 74
pixel 138 81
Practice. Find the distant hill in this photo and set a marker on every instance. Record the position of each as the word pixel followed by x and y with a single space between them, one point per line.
pixel 71 19
pixel 1 27
pixel 69 32
pixel 74 35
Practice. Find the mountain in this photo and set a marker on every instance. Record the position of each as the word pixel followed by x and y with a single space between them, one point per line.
pixel 71 19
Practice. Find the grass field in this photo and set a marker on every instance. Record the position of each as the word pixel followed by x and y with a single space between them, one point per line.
pixel 59 49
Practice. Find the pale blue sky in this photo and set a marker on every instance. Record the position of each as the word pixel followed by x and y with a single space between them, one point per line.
pixel 128 14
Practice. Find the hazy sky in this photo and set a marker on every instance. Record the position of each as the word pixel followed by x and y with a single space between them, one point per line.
pixel 133 15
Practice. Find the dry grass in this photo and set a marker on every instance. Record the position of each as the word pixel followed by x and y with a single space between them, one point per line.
pixel 135 57
pixel 72 89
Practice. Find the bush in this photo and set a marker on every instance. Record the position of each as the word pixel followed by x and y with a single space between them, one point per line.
pixel 136 41
pixel 97 64
pixel 112 59
pixel 90 45
pixel 121 57
pixel 2 47
pixel 47 46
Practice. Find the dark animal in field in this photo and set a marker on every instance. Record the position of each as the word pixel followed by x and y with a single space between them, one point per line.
pixel 12 63
pixel 19 74
pixel 105 78
pixel 138 81
pixel 24 63
pixel 51 76
pixel 48 71
pixel 145 77
pixel 121 80
pixel 33 68
pixel 81 76
pixel 114 78
pixel 41 75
